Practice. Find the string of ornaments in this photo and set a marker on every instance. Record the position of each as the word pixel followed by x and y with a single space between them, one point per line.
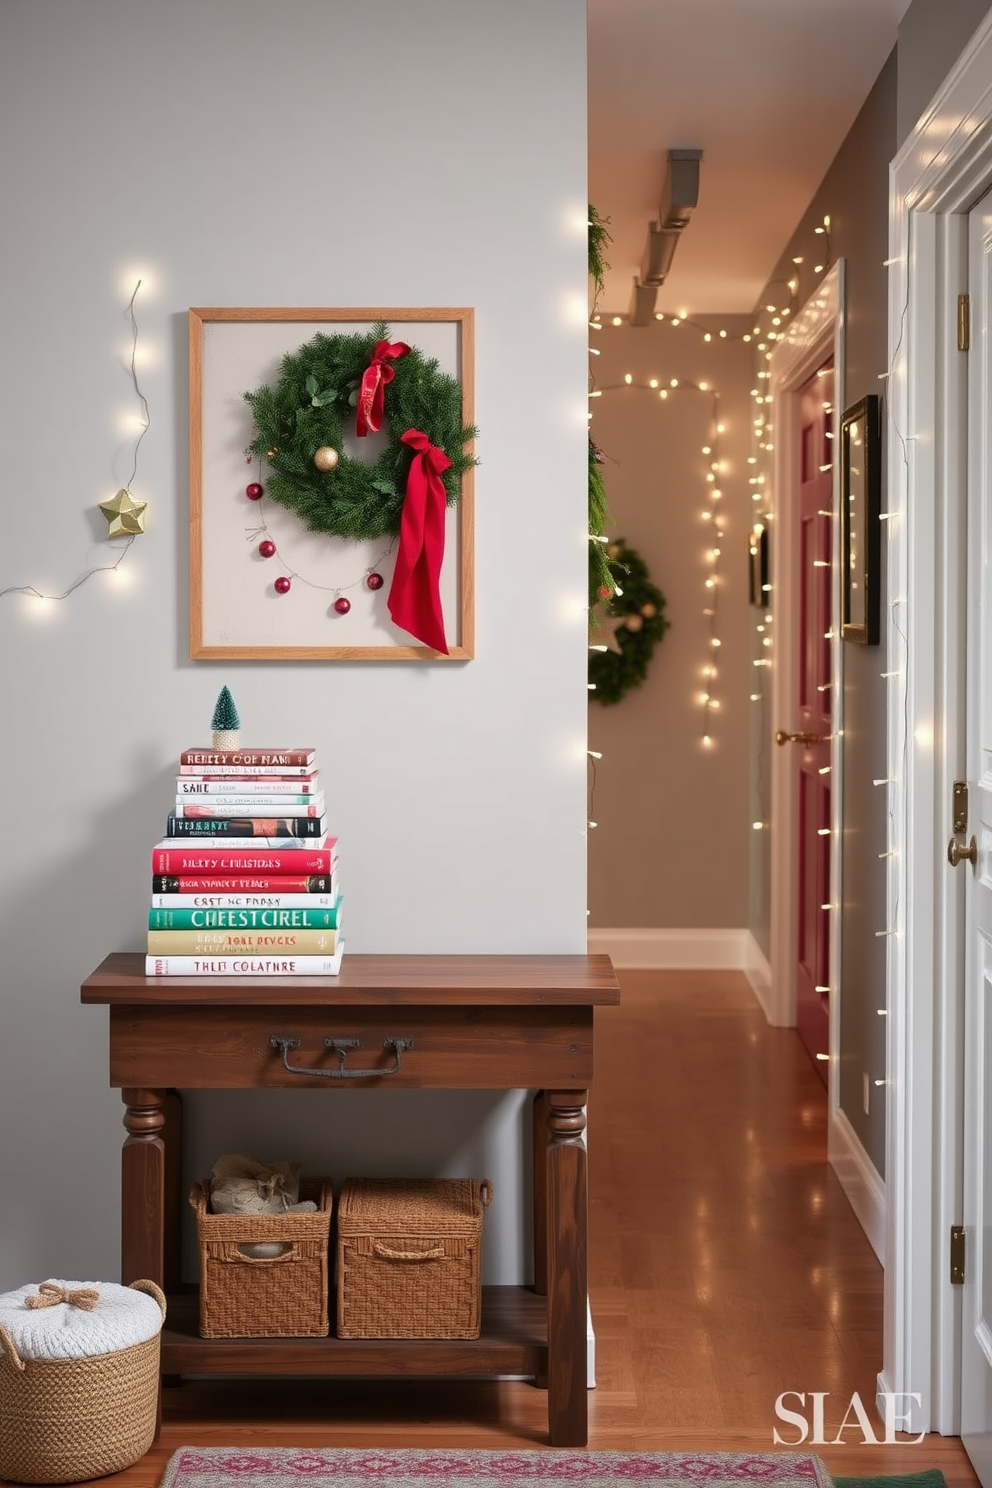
pixel 387 386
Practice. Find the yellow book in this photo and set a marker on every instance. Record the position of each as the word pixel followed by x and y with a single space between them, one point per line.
pixel 243 942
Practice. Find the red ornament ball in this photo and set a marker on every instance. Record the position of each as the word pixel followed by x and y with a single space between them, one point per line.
pixel 604 593
pixel 374 581
pixel 254 492
pixel 342 605
pixel 267 548
pixel 282 585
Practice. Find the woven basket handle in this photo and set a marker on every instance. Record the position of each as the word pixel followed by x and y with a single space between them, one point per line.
pixel 437 1254
pixel 9 1348
pixel 153 1291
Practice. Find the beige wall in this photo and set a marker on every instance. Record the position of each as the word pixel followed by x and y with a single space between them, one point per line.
pixel 671 847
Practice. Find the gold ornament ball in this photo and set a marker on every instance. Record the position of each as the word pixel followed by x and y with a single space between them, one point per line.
pixel 273 451
pixel 634 622
pixel 648 610
pixel 325 458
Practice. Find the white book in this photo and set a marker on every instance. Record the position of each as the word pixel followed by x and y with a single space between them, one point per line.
pixel 245 901
pixel 226 806
pixel 202 785
pixel 244 966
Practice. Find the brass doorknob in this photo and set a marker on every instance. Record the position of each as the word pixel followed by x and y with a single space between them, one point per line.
pixel 784 738
pixel 958 853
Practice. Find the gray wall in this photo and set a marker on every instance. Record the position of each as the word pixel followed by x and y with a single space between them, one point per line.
pixel 932 34
pixel 231 152
pixel 854 194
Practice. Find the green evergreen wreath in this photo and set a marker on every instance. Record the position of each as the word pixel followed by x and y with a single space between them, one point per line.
pixel 309 408
pixel 640 609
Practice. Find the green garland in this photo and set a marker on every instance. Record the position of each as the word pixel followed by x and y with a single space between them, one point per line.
pixel 313 402
pixel 641 607
pixel 600 577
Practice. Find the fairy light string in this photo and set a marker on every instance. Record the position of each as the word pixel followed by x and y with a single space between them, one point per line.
pixel 43 596
pixel 769 326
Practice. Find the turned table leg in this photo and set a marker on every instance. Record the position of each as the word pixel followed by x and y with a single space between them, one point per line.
pixel 566 1198
pixel 143 1184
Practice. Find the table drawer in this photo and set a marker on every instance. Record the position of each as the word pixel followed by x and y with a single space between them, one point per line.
pixel 397 1047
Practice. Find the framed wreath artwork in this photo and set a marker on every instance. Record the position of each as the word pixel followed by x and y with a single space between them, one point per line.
pixel 331 490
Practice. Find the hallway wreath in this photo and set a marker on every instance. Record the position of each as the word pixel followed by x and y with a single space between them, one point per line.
pixel 300 425
pixel 637 618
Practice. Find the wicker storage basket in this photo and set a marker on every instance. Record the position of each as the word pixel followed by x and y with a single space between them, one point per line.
pixel 75 1416
pixel 277 1296
pixel 408 1254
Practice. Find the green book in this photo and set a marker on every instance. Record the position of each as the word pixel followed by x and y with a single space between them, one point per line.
pixel 270 918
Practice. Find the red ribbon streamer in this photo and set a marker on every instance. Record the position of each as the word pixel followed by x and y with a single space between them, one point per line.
pixel 414 596
pixel 374 378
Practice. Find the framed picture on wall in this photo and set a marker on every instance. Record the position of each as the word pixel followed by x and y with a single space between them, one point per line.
pixel 860 490
pixel 330 484
pixel 759 581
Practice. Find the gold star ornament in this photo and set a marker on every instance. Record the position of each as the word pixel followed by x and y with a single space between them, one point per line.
pixel 604 629
pixel 125 515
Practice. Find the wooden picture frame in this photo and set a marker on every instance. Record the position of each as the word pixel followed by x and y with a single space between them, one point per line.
pixel 860 494
pixel 235 612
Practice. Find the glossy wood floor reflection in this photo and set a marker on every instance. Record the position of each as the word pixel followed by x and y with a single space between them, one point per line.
pixel 726 1267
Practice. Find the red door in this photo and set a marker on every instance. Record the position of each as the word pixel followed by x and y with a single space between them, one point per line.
pixel 812 749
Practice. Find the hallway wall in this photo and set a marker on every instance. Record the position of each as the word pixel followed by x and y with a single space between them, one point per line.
pixel 212 150
pixel 854 194
pixel 670 849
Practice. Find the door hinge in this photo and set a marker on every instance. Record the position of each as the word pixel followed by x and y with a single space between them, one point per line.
pixel 957 1255
pixel 959 806
pixel 964 322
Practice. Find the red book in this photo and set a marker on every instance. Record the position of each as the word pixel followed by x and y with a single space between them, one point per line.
pixel 270 759
pixel 163 883
pixel 230 859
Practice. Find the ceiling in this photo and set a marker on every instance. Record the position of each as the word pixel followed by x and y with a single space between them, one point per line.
pixel 767 89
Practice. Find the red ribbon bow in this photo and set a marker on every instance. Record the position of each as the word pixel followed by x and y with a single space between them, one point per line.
pixel 414 596
pixel 374 378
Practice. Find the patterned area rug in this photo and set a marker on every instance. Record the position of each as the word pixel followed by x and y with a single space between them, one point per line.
pixel 227 1467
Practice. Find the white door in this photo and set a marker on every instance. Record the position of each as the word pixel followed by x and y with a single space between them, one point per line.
pixel 976 1362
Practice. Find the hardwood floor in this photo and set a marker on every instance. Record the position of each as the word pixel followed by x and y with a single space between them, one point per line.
pixel 726 1267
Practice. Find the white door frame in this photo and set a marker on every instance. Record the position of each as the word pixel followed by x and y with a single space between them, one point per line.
pixel 816 333
pixel 942 169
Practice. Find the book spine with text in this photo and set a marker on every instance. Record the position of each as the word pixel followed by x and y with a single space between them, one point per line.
pixel 279 917
pixel 245 785
pixel 246 826
pixel 249 883
pixel 249 805
pixel 208 966
pixel 243 901
pixel 266 759
pixel 232 772
pixel 228 860
pixel 242 942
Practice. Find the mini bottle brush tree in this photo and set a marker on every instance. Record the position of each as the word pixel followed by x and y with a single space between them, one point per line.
pixel 226 722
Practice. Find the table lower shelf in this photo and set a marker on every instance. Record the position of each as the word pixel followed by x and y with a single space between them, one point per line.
pixel 513 1340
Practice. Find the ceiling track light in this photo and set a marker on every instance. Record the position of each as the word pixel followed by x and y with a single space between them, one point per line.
pixel 679 195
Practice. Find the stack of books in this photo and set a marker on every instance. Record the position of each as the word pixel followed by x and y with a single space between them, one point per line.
pixel 245 881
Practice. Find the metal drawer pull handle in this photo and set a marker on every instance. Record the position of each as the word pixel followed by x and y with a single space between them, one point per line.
pixel 285 1042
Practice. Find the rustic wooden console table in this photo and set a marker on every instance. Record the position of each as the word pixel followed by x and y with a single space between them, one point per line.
pixel 448 1023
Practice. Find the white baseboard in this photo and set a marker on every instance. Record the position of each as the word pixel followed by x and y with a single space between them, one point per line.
pixel 757 969
pixel 859 1178
pixel 673 950
pixel 590 1350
